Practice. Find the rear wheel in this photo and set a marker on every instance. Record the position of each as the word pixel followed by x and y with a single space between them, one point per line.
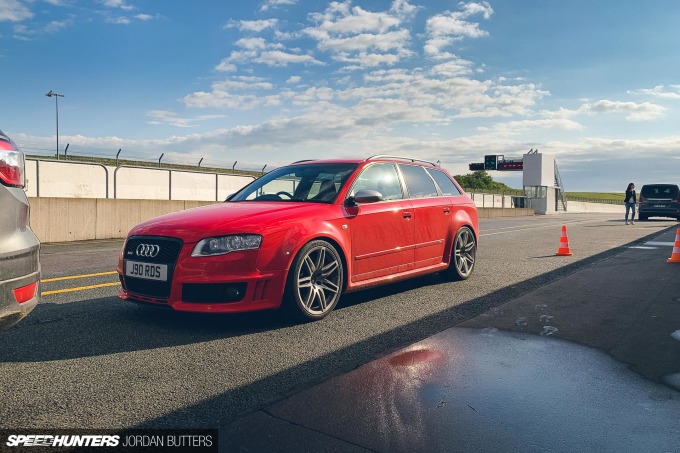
pixel 315 281
pixel 463 255
pixel 642 217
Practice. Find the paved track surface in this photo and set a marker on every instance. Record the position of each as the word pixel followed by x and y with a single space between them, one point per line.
pixel 85 359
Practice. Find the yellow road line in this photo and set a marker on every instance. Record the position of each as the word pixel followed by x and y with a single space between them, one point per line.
pixel 82 288
pixel 46 280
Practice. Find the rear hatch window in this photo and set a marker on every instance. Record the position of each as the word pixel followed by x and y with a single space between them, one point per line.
pixel 660 191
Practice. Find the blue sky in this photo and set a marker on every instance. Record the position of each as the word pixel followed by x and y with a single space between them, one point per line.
pixel 274 81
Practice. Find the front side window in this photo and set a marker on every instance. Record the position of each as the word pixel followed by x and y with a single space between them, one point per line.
pixel 381 177
pixel 418 182
pixel 316 182
pixel 444 182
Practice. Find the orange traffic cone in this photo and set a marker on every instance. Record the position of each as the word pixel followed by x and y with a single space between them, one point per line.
pixel 564 244
pixel 675 256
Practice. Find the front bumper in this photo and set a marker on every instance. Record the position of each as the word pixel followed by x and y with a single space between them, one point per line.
pixel 227 283
pixel 260 291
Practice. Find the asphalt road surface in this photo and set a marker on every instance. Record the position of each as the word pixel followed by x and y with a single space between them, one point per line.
pixel 85 359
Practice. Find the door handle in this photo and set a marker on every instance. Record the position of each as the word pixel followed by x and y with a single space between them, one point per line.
pixel 447 211
pixel 407 214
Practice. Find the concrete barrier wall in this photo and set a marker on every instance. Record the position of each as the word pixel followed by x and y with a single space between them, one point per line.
pixel 503 212
pixel 64 179
pixel 579 207
pixel 485 200
pixel 79 219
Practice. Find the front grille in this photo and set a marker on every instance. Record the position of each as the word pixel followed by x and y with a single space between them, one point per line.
pixel 168 252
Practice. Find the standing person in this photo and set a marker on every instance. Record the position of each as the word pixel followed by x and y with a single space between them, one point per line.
pixel 631 200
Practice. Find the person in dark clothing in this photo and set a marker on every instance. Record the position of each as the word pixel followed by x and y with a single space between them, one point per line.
pixel 631 201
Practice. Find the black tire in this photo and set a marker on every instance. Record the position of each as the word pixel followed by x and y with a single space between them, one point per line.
pixel 642 217
pixel 315 282
pixel 463 255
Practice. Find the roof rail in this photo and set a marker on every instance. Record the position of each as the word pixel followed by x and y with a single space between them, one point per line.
pixel 303 160
pixel 387 156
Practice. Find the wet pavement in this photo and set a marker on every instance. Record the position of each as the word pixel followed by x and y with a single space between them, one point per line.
pixel 590 362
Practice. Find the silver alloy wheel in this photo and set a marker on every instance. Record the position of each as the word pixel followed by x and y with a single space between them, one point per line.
pixel 318 279
pixel 464 251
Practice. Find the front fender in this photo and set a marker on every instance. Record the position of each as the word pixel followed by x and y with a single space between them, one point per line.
pixel 280 248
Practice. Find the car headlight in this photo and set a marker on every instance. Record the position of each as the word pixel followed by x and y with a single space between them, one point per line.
pixel 226 244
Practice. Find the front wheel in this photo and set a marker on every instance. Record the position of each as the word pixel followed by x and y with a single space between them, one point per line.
pixel 315 281
pixel 463 255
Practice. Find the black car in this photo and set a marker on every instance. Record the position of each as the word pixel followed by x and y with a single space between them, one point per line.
pixel 659 200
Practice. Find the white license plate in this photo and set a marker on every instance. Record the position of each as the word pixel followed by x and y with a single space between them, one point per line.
pixel 147 271
pixel 659 205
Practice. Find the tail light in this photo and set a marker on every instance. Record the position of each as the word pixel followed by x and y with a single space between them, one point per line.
pixel 642 199
pixel 26 293
pixel 11 164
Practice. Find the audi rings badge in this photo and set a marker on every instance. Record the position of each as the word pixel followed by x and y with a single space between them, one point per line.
pixel 147 250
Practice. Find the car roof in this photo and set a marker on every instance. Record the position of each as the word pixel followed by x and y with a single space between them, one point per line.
pixel 377 158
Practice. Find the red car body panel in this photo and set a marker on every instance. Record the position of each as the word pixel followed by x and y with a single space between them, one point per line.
pixel 379 243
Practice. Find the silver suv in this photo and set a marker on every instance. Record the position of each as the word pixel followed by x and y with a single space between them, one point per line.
pixel 19 247
pixel 659 200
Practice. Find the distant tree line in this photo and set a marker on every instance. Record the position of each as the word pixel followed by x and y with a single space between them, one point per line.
pixel 481 180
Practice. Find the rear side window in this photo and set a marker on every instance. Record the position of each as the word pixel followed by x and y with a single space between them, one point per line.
pixel 660 191
pixel 418 182
pixel 445 184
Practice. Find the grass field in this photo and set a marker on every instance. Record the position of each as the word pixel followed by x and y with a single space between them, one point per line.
pixel 598 197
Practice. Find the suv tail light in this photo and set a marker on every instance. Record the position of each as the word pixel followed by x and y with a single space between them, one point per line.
pixel 26 293
pixel 11 164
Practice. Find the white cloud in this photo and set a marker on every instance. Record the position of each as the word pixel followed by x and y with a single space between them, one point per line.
pixel 23 32
pixel 171 118
pixel 14 11
pixel 269 4
pixel 57 25
pixel 280 58
pixel 117 4
pixel 252 25
pixel 252 43
pixel 403 9
pixel 447 28
pixel 234 94
pixel 660 92
pixel 645 111
pixel 362 38
pixel 342 18
pixel 120 20
pixel 518 127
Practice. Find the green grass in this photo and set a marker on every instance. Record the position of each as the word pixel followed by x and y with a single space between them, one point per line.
pixel 596 197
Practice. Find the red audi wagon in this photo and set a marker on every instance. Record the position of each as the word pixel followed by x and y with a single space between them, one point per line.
pixel 302 235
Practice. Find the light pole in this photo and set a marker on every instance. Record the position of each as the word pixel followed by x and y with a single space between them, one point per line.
pixel 56 104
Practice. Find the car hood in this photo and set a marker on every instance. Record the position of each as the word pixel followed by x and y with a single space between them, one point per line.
pixel 195 224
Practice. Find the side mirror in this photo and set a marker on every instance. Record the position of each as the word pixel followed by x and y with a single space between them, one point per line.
pixel 368 196
pixel 350 202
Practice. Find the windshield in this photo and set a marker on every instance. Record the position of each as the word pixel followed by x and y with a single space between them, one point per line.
pixel 313 182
